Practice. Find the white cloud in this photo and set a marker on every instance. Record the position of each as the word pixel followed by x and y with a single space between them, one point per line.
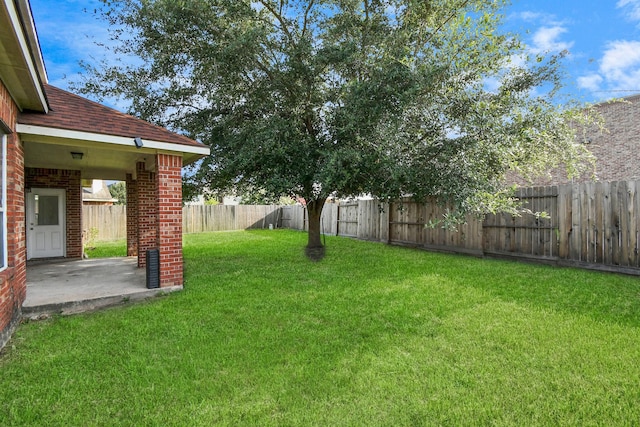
pixel 620 55
pixel 546 39
pixel 620 64
pixel 590 82
pixel 530 16
pixel 619 68
pixel 632 6
pixel 537 17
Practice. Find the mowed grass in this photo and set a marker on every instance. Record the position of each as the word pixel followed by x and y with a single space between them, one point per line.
pixel 372 335
pixel 115 248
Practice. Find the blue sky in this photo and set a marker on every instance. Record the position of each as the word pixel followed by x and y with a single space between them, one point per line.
pixel 601 36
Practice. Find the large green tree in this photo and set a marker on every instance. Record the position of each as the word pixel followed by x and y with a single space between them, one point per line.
pixel 342 97
pixel 118 191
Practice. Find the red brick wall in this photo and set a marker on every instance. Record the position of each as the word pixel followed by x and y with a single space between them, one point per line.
pixel 132 216
pixel 13 282
pixel 169 184
pixel 71 182
pixel 147 213
pixel 617 148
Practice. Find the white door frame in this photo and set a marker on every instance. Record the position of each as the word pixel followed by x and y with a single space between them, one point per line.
pixel 59 249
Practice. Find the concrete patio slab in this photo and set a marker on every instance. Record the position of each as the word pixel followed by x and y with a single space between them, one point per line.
pixel 74 286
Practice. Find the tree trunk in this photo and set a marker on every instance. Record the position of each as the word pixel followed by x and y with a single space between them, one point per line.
pixel 315 250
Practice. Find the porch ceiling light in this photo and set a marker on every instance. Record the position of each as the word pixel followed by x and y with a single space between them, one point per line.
pixel 76 155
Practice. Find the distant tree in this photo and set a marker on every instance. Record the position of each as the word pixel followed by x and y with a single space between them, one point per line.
pixel 118 191
pixel 337 98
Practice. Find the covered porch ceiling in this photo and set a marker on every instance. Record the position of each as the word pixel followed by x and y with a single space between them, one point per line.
pixel 95 156
pixel 100 142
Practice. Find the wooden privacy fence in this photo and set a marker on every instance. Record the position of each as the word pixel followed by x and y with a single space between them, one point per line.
pixel 104 222
pixel 198 219
pixel 110 222
pixel 592 225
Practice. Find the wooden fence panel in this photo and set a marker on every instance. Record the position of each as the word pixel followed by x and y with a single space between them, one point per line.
pixel 110 222
pixel 591 224
pixel 530 235
pixel 635 225
pixel 368 224
pixel 104 222
pixel 328 219
pixel 347 219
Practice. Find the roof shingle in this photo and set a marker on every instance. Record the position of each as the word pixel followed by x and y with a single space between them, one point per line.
pixel 72 112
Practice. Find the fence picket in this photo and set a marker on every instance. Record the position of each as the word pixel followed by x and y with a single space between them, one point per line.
pixel 594 223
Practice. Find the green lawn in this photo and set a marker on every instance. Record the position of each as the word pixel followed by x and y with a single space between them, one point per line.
pixel 372 335
pixel 107 249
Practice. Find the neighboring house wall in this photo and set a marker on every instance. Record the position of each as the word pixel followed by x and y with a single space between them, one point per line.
pixel 616 148
pixel 13 287
pixel 70 181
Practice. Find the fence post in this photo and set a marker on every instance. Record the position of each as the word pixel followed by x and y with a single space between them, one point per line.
pixel 564 220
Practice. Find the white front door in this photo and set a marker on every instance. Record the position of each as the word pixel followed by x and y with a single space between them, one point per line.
pixel 46 223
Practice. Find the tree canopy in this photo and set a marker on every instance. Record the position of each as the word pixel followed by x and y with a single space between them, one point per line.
pixel 342 97
pixel 118 191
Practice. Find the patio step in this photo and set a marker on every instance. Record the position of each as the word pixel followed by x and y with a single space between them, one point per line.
pixel 35 312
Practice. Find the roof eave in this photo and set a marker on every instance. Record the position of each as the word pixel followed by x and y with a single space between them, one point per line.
pixel 188 151
pixel 24 80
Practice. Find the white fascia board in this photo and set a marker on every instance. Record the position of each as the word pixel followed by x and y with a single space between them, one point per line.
pixel 34 70
pixel 109 139
pixel 32 35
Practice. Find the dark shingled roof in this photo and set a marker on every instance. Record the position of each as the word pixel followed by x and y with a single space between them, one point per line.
pixel 72 112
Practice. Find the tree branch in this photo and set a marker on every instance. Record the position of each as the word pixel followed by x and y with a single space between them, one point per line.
pixel 280 18
pixel 306 16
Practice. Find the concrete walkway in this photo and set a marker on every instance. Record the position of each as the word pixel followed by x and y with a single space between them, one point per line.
pixel 75 286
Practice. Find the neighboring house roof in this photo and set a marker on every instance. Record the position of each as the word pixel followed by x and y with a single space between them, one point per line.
pixel 72 112
pixel 98 192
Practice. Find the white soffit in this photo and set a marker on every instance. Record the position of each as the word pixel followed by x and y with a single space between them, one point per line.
pixel 48 132
pixel 26 38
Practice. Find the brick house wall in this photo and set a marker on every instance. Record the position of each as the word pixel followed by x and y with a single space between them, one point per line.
pixel 13 279
pixel 617 148
pixel 70 181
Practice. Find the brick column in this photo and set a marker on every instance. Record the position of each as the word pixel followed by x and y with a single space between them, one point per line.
pixel 147 212
pixel 132 216
pixel 169 190
pixel 74 214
